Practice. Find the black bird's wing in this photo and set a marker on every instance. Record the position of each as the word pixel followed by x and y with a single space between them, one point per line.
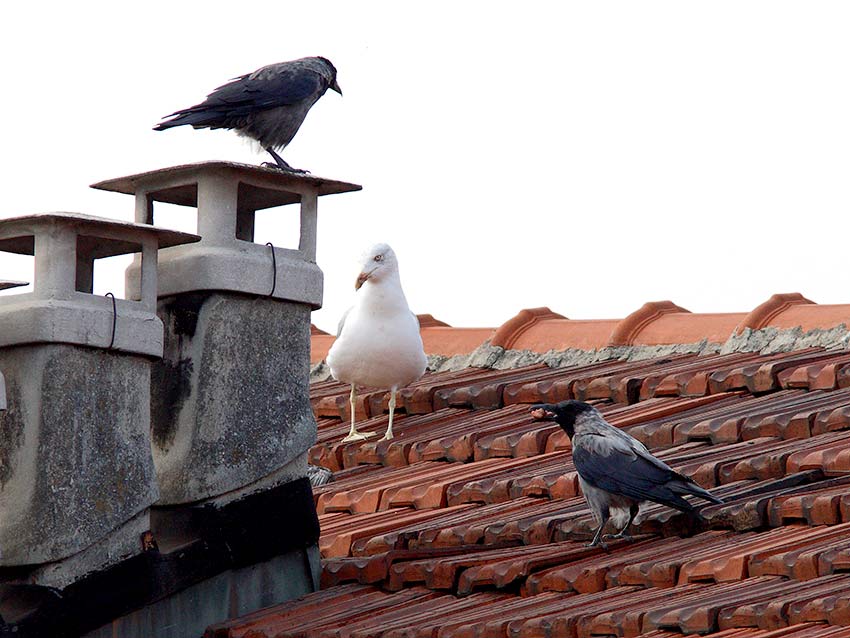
pixel 266 88
pixel 612 465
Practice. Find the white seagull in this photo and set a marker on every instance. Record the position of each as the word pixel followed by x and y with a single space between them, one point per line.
pixel 378 342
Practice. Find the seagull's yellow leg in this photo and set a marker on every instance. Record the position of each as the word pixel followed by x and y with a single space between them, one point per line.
pixel 353 434
pixel 389 433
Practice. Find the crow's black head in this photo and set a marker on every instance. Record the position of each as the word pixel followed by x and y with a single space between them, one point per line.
pixel 564 413
pixel 332 85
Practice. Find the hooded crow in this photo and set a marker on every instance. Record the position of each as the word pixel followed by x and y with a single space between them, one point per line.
pixel 267 105
pixel 616 472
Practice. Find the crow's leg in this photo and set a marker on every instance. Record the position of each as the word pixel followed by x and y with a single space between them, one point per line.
pixel 634 508
pixel 389 433
pixel 353 434
pixel 604 515
pixel 280 163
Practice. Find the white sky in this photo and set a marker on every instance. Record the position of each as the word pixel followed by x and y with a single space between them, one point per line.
pixel 585 156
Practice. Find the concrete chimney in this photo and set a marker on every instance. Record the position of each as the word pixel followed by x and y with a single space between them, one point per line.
pixel 76 471
pixel 230 399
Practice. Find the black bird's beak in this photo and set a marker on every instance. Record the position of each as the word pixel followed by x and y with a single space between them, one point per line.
pixel 542 412
pixel 335 87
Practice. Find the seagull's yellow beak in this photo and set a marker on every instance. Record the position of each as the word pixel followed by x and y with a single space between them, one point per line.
pixel 361 279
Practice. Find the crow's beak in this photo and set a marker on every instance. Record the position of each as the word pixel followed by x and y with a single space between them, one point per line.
pixel 361 279
pixel 542 413
pixel 335 87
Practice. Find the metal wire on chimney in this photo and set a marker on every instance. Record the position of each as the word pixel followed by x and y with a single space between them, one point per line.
pixel 274 270
pixel 114 320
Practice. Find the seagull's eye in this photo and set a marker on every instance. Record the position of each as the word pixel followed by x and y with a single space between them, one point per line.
pixel 379 258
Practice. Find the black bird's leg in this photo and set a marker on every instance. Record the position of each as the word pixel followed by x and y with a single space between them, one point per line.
pixel 280 163
pixel 597 537
pixel 633 511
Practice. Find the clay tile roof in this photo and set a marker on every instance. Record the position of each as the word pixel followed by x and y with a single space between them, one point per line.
pixel 656 323
pixel 471 521
pixel 316 331
pixel 793 310
pixel 320 343
pixel 437 336
pixel 440 338
pixel 663 322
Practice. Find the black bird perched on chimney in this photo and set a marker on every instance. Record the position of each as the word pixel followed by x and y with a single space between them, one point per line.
pixel 267 105
pixel 616 472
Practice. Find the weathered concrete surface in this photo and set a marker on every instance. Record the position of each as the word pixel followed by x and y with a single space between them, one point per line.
pixel 119 544
pixel 227 195
pixel 230 399
pixel 241 266
pixel 84 320
pixel 61 308
pixel 75 458
pixel 231 594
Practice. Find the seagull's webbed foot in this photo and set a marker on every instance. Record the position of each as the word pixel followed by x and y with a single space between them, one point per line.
pixel 597 542
pixel 357 436
pixel 388 437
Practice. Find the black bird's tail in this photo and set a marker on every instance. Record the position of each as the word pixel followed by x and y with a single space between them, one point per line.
pixel 197 119
pixel 682 485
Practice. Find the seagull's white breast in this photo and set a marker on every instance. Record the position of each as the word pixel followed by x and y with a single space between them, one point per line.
pixel 377 349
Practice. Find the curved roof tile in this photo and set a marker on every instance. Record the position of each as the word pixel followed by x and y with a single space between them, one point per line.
pixel 653 324
pixel 766 314
pixel 541 330
pixel 512 330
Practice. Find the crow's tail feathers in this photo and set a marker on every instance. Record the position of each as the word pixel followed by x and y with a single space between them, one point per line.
pixel 166 125
pixel 196 118
pixel 671 494
pixel 688 486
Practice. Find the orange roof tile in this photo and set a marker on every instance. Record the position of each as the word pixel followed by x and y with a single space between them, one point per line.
pixel 470 522
pixel 448 341
pixel 655 323
pixel 320 345
pixel 662 323
pixel 793 310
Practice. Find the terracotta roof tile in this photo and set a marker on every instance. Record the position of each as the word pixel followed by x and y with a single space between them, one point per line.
pixel 798 558
pixel 438 338
pixel 541 330
pixel 470 522
pixel 320 345
pixel 551 386
pixel 655 323
pixel 827 504
pixel 663 322
pixel 793 310
pixel 447 341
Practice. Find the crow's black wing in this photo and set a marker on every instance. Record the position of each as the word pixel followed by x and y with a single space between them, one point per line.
pixel 270 87
pixel 618 469
pixel 267 88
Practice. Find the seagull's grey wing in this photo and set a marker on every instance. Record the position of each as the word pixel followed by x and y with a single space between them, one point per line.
pixel 608 465
pixel 342 322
